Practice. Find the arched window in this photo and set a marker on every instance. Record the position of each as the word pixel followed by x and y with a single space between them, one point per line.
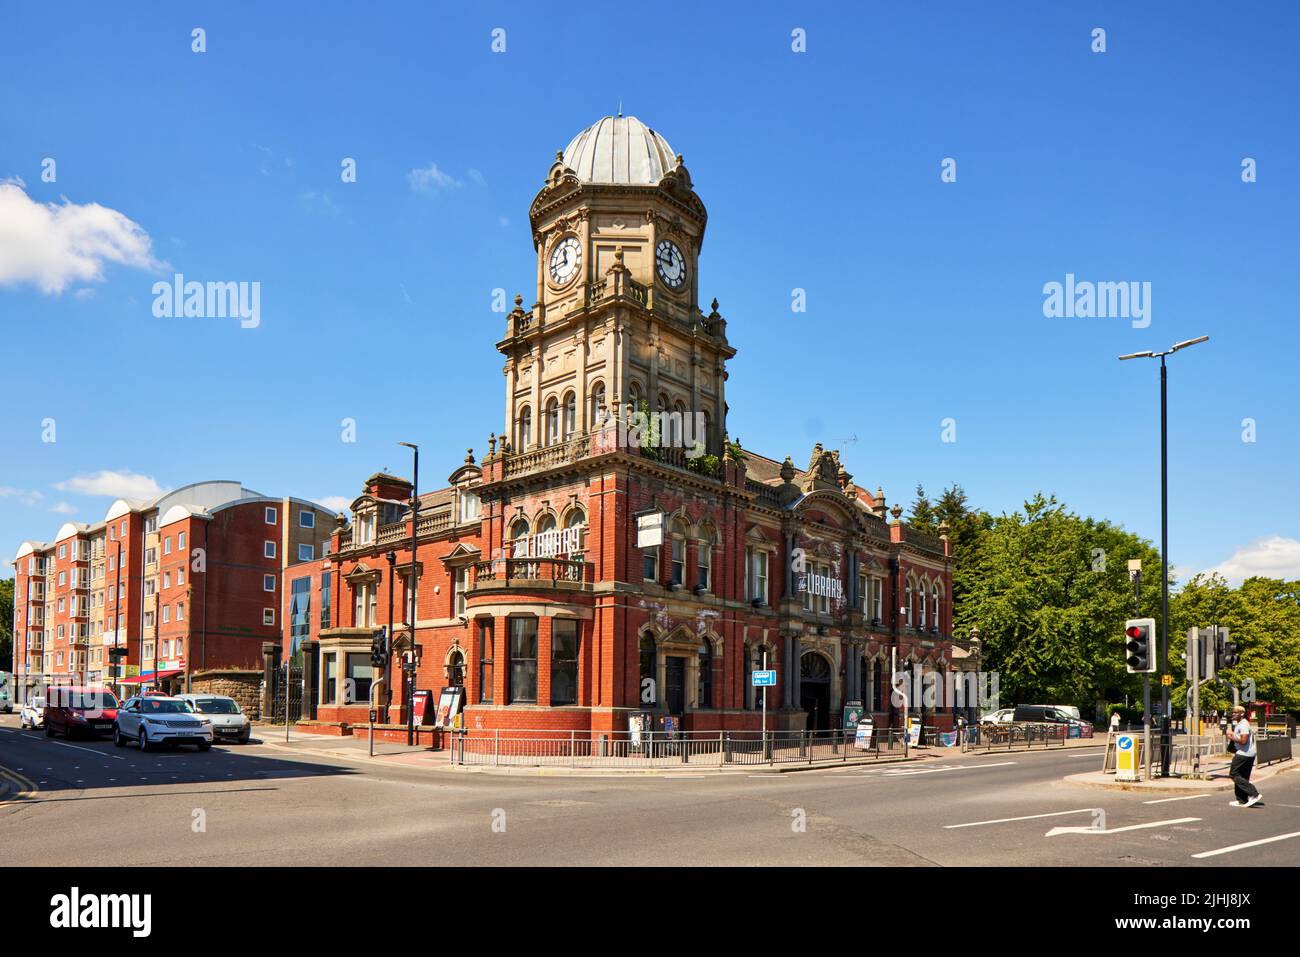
pixel 577 519
pixel 908 605
pixel 518 536
pixel 706 431
pixel 704 557
pixel 705 696
pixel 570 415
pixel 934 594
pixel 597 404
pixel 634 395
pixel 677 427
pixel 525 431
pixel 679 532
pixel 456 668
pixel 552 421
pixel 921 602
pixel 648 692
pixel 546 523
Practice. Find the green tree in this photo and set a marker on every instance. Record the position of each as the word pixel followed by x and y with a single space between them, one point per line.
pixel 1049 591
pixel 1262 616
pixel 6 624
pixel 967 528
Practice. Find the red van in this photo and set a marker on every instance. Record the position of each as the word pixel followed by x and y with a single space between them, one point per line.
pixel 76 710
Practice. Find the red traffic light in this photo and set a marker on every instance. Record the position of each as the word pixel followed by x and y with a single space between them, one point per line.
pixel 1136 631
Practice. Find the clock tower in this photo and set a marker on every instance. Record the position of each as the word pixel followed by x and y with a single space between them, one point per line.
pixel 618 230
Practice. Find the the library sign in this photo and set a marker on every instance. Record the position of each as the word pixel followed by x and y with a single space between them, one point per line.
pixel 550 544
pixel 826 586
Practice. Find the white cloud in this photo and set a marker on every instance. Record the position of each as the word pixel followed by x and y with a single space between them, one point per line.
pixel 63 508
pixel 51 245
pixel 429 178
pixel 476 176
pixel 1270 557
pixel 336 502
pixel 128 485
pixel 26 496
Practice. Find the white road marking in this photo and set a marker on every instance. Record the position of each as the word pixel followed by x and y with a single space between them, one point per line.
pixel 1239 847
pixel 903 772
pixel 1188 797
pixel 1116 830
pixel 78 747
pixel 1027 817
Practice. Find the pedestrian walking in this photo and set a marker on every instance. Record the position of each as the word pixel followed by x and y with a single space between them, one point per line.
pixel 1242 737
pixel 1114 721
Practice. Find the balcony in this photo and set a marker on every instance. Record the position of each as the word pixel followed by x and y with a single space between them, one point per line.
pixel 547 457
pixel 533 573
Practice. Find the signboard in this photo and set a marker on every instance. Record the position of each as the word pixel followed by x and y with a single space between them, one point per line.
pixel 914 732
pixel 557 541
pixel 764 679
pixel 421 705
pixel 1166 679
pixel 449 706
pixel 852 714
pixel 826 586
pixel 1126 758
pixel 948 739
pixel 862 737
pixel 650 530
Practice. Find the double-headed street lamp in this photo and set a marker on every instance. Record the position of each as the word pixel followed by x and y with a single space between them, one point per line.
pixel 1164 539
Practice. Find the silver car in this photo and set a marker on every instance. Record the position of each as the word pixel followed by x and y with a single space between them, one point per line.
pixel 151 720
pixel 33 713
pixel 229 723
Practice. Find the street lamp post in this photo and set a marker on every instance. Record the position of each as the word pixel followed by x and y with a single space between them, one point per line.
pixel 1165 742
pixel 415 521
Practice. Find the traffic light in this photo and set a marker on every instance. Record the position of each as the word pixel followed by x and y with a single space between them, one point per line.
pixel 379 649
pixel 1138 645
pixel 1231 651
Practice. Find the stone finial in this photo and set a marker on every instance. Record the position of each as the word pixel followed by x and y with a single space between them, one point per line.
pixel 519 300
pixel 469 456
pixel 787 471
pixel 943 530
pixel 492 444
pixel 974 633
pixel 897 512
pixel 340 520
pixel 714 306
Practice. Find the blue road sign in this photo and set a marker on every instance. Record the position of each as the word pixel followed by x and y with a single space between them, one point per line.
pixel 764 679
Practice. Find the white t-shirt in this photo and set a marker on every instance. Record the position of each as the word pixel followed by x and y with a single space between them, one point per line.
pixel 1246 750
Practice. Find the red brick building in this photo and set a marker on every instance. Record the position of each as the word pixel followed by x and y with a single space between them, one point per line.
pixel 615 552
pixel 186 582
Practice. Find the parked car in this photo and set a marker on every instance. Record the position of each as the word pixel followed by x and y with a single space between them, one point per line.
pixel 6 696
pixel 79 710
pixel 229 723
pixel 1049 713
pixel 151 720
pixel 1001 716
pixel 32 714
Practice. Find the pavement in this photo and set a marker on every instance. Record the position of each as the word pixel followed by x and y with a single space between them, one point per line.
pixel 92 803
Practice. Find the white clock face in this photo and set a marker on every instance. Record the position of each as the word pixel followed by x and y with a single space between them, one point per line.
pixel 566 255
pixel 671 264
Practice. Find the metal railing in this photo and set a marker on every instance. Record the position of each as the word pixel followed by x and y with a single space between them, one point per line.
pixel 667 749
pixel 1026 734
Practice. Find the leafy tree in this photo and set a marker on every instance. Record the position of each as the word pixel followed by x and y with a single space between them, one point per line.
pixel 966 531
pixel 6 624
pixel 1262 616
pixel 1049 591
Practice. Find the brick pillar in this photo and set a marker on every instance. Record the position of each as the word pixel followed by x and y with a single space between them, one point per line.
pixel 310 669
pixel 544 659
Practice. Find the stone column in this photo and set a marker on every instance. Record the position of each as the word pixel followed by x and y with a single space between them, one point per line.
pixel 787 682
pixel 270 662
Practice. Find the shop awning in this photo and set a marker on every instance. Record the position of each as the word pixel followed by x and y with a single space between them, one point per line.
pixel 140 679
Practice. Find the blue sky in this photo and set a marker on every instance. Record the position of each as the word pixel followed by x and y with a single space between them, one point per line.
pixel 821 171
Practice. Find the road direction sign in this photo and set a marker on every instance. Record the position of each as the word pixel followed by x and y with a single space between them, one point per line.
pixel 764 679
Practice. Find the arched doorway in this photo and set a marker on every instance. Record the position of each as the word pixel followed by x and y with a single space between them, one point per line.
pixel 815 689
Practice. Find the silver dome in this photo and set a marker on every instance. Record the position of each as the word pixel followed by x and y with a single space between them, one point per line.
pixel 620 150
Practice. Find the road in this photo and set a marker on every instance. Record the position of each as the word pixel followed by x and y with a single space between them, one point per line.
pixel 258 804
